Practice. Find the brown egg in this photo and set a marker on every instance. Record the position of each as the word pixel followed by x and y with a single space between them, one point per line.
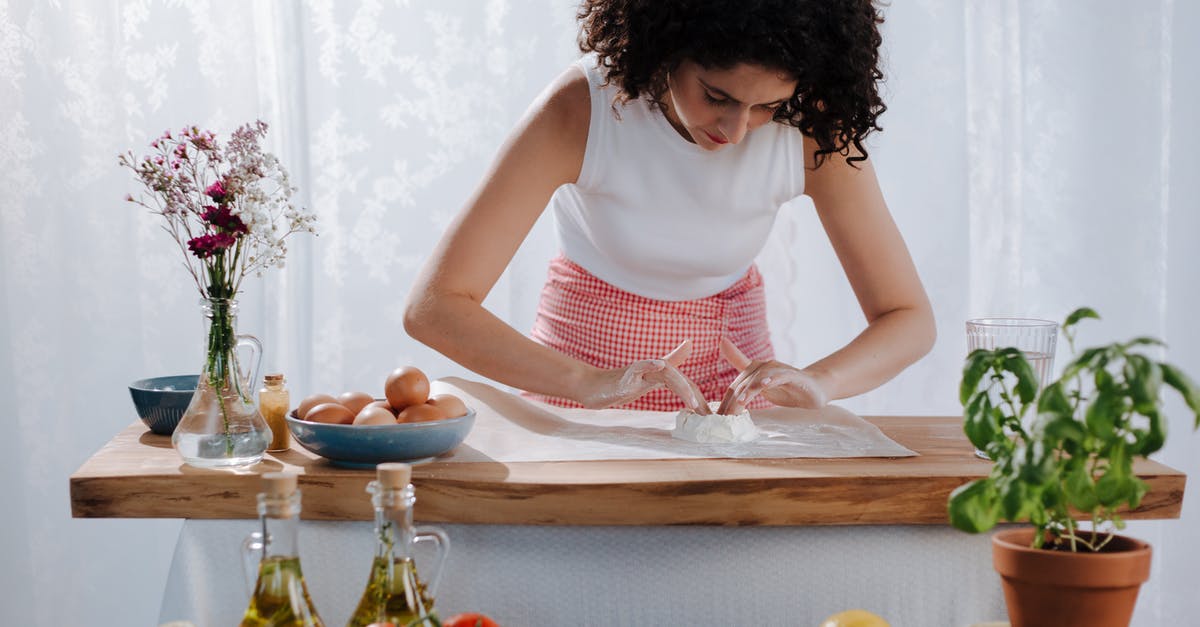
pixel 384 404
pixel 331 413
pixel 312 401
pixel 451 405
pixel 375 415
pixel 355 401
pixel 406 386
pixel 423 412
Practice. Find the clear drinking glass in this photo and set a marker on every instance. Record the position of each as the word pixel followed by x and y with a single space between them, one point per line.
pixel 1034 337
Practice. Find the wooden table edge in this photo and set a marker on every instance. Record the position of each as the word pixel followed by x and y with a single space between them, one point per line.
pixel 779 492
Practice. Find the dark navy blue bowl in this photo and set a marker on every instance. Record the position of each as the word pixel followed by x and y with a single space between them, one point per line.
pixel 365 446
pixel 161 401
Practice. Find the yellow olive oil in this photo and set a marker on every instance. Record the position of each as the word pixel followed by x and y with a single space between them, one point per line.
pixel 394 594
pixel 280 596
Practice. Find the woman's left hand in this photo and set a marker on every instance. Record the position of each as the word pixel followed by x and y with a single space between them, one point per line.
pixel 777 382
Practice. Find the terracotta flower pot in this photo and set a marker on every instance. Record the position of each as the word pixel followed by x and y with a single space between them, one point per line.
pixel 1064 589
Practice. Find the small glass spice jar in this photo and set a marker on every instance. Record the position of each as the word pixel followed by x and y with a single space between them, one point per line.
pixel 273 403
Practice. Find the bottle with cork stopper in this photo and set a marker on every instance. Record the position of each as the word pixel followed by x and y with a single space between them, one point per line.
pixel 279 597
pixel 273 404
pixel 394 593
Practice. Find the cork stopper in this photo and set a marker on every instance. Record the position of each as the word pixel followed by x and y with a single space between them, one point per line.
pixel 273 378
pixel 393 476
pixel 279 484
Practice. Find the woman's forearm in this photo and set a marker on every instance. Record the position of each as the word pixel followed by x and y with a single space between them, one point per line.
pixel 461 329
pixel 888 345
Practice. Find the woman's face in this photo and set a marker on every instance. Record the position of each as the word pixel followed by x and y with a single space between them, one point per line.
pixel 715 107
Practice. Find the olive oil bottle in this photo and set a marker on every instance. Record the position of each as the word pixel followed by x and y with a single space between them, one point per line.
pixel 279 597
pixel 394 593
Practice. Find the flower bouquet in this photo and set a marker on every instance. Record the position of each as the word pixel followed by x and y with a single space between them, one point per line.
pixel 229 209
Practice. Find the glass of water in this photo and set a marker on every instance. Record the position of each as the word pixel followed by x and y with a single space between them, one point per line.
pixel 1033 337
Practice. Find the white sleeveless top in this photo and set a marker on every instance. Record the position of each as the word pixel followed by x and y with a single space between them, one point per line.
pixel 659 216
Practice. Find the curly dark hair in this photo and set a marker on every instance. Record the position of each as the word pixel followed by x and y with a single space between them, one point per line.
pixel 831 47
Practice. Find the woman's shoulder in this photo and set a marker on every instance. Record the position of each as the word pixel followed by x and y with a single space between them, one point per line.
pixel 570 95
pixel 552 134
pixel 565 105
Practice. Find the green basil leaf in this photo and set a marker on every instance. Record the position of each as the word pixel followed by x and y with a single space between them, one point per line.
pixel 1027 380
pixel 1087 359
pixel 979 423
pixel 973 507
pixel 1053 400
pixel 1118 457
pixel 1014 500
pixel 1183 384
pixel 1116 483
pixel 1144 378
pixel 1037 467
pixel 1080 314
pixel 1143 341
pixel 1062 428
pixel 1138 488
pixel 1050 500
pixel 976 365
pixel 1082 489
pixel 1000 450
pixel 1112 488
pixel 1101 415
pixel 1152 438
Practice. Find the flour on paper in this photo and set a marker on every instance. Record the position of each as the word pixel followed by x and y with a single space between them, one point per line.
pixel 714 428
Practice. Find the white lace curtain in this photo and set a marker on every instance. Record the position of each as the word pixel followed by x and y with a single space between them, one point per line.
pixel 1037 156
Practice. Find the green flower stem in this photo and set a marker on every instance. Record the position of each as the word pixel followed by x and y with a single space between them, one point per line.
pixel 1015 422
pixel 220 332
pixel 220 342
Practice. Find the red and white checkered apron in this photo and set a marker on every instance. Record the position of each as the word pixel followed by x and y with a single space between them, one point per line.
pixel 591 320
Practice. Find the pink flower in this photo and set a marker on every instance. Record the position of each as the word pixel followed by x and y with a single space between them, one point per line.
pixel 224 220
pixel 208 245
pixel 216 191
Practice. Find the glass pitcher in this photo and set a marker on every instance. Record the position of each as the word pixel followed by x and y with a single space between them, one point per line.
pixel 278 597
pixel 222 425
pixel 394 593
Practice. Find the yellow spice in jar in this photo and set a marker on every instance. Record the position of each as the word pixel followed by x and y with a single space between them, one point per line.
pixel 273 403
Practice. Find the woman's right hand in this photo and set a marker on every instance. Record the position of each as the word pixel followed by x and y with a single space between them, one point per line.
pixel 617 386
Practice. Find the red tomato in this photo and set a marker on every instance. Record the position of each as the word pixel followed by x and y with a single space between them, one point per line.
pixel 469 619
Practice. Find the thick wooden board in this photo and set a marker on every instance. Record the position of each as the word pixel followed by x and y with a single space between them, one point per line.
pixel 139 475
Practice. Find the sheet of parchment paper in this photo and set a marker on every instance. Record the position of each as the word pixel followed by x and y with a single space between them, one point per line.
pixel 509 428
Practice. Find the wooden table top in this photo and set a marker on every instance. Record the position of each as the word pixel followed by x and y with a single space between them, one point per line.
pixel 139 475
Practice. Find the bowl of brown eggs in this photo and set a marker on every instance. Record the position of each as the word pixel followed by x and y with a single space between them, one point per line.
pixel 356 430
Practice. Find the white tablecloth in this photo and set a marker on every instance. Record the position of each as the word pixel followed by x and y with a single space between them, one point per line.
pixel 529 576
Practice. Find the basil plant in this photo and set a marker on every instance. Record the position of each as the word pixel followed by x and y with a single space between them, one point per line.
pixel 1065 453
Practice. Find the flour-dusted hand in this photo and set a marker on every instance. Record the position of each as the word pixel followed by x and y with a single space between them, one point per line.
pixel 776 381
pixel 617 386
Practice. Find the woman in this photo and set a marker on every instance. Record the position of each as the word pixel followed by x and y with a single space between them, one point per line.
pixel 665 155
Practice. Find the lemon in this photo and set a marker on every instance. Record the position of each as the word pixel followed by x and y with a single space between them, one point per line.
pixel 855 618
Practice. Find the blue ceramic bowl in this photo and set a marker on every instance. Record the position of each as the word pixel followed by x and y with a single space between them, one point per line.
pixel 161 401
pixel 365 446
